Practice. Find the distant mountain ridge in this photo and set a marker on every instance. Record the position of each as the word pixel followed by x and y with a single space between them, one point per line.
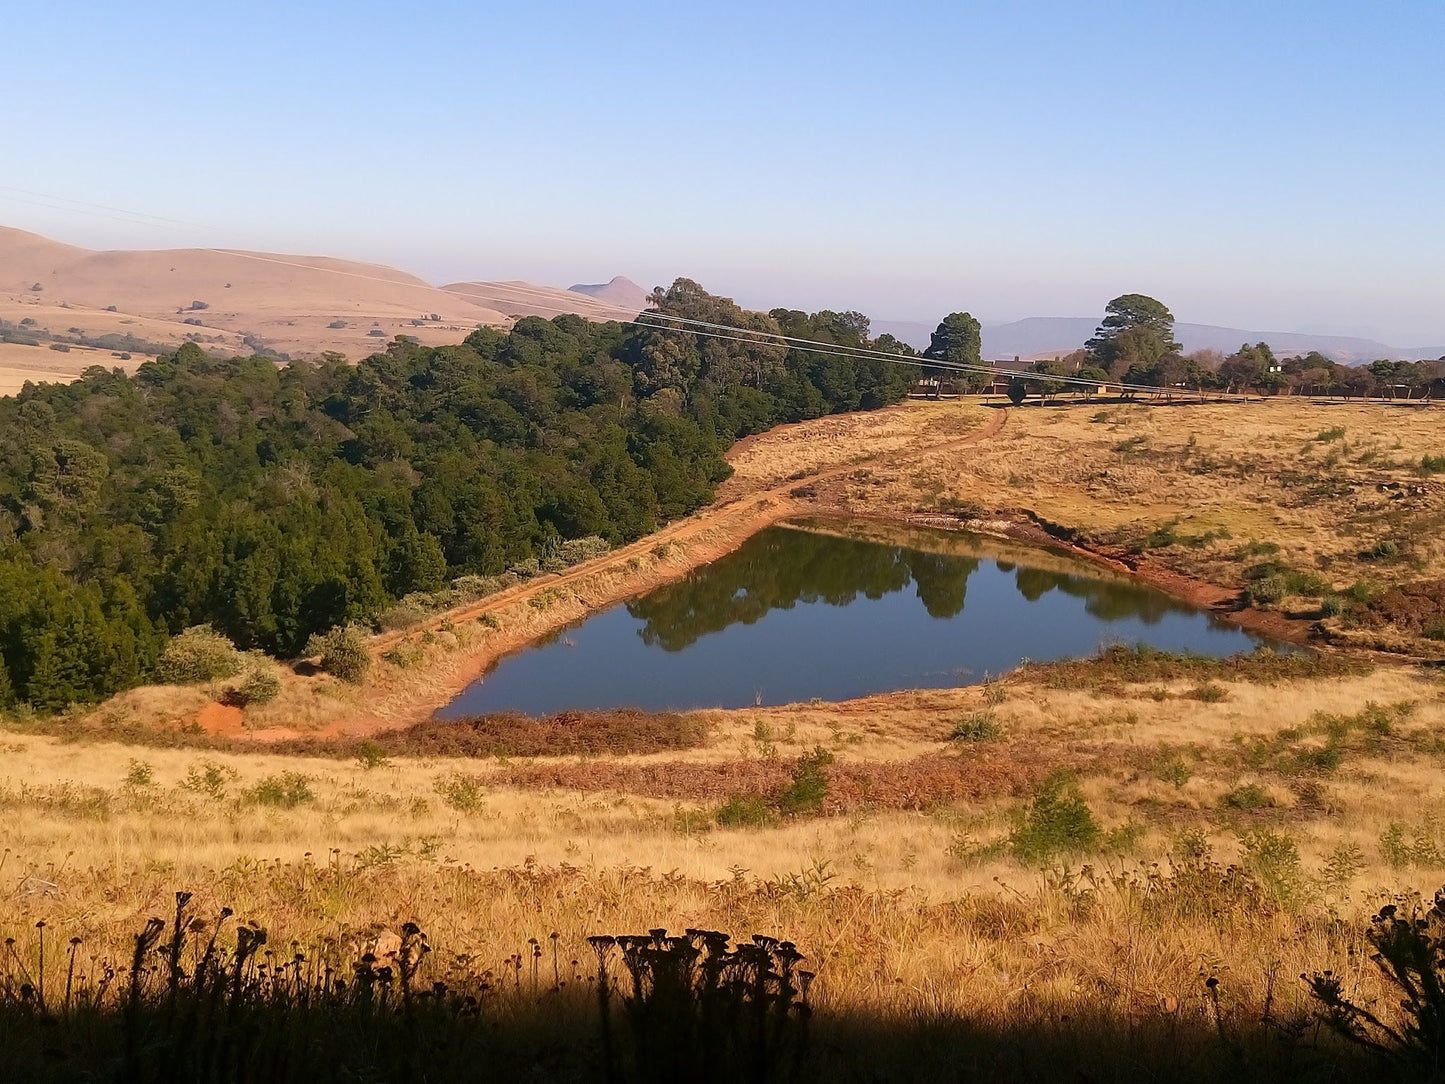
pixel 1045 336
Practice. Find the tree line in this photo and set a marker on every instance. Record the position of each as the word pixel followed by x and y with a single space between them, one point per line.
pixel 276 502
pixel 1135 345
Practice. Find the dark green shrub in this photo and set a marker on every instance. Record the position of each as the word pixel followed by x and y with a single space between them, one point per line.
pixel 1208 692
pixel 805 794
pixel 1269 590
pixel 1247 796
pixel 1176 771
pixel 1058 822
pixel 980 726
pixel 1387 549
pixel 371 755
pixel 1274 861
pixel 208 779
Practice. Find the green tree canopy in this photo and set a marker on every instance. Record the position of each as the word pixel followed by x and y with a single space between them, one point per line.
pixel 274 503
pixel 958 340
pixel 1137 331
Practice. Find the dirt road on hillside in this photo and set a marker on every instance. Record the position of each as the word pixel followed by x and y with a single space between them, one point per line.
pixel 755 509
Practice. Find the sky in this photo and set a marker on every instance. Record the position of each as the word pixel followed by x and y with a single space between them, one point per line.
pixel 1276 166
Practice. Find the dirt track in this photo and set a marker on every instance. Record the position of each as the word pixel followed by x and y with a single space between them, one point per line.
pixel 741 511
pixel 755 497
pixel 737 515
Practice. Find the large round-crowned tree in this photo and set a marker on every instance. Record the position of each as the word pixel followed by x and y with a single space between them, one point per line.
pixel 958 341
pixel 1136 333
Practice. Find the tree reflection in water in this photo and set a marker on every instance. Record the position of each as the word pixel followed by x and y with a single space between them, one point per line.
pixel 841 609
pixel 781 567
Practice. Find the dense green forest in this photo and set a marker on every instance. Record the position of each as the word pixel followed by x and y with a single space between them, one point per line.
pixel 276 502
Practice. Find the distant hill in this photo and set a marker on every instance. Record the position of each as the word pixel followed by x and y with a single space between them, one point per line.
pixel 230 301
pixel 1043 336
pixel 621 291
pixel 225 299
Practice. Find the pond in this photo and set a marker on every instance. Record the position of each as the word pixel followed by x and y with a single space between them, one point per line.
pixel 837 610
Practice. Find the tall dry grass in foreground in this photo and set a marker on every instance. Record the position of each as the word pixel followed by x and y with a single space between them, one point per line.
pixel 1186 969
pixel 1123 867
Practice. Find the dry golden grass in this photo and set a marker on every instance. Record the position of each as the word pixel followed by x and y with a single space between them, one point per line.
pixel 1326 785
pixel 1306 477
pixel 113 828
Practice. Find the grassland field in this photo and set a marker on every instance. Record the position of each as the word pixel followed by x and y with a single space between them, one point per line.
pixel 1067 844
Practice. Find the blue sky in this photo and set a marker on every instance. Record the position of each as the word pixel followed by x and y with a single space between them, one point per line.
pixel 1271 165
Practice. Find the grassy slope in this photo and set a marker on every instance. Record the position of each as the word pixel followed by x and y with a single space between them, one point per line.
pixel 906 891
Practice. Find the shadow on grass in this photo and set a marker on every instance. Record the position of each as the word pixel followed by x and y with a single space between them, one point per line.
pixel 650 1007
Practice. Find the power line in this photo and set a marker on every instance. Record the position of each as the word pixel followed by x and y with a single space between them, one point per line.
pixel 713 330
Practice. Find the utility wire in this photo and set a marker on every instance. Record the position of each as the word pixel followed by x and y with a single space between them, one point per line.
pixel 644 319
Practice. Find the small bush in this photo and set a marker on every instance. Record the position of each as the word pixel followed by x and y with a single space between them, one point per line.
pixel 746 811
pixel 1329 436
pixel 1420 849
pixel 284 791
pixel 198 654
pixel 1207 692
pixel 577 550
pixel 1271 581
pixel 208 779
pixel 138 776
pixel 1176 772
pixel 1274 861
pixel 261 685
pixel 805 794
pixel 1432 464
pixel 1247 796
pixel 980 726
pixel 343 653
pixel 1264 592
pixel 1387 549
pixel 404 655
pixel 526 569
pixel 460 791
pixel 1058 822
pixel 403 615
pixel 371 755
pixel 1361 591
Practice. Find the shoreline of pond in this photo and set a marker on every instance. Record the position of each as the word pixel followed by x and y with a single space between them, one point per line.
pixel 850 561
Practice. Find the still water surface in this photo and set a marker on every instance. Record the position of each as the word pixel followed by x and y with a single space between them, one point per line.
pixel 838 610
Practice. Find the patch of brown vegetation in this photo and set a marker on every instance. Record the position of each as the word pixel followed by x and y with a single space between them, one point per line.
pixel 1417 608
pixel 569 733
pixel 1122 664
pixel 922 783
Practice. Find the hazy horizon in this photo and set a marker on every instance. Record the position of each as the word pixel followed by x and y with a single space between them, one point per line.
pixel 1273 170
